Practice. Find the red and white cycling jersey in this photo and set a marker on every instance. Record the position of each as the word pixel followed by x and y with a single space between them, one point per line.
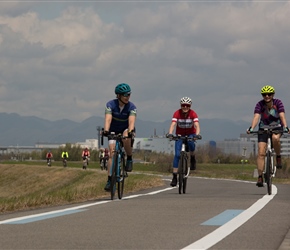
pixel 185 122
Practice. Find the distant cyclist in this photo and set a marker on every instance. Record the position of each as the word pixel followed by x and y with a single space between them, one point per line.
pixel 186 122
pixel 104 154
pixel 86 155
pixel 49 156
pixel 64 155
pixel 120 117
pixel 266 111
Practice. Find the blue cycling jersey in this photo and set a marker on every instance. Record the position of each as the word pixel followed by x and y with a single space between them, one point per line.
pixel 120 116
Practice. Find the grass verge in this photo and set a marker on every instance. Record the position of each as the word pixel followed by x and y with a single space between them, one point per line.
pixel 32 184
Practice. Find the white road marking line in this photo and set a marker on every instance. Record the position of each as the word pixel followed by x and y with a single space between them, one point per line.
pixel 45 215
pixel 223 231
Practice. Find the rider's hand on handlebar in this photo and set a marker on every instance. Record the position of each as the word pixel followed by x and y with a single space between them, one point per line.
pixel 131 134
pixel 199 137
pixel 169 136
pixel 105 133
pixel 249 130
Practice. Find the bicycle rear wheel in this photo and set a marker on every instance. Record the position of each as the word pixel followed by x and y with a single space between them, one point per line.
pixel 268 174
pixel 121 182
pixel 113 176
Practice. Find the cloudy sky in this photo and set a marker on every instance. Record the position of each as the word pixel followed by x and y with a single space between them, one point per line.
pixel 63 59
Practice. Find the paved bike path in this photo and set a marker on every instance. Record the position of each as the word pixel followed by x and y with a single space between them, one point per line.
pixel 161 219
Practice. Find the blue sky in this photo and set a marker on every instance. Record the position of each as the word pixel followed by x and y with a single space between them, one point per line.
pixel 63 59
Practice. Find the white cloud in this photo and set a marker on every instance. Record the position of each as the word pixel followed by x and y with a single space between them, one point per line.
pixel 67 66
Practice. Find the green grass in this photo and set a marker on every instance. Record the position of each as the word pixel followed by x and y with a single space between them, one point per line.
pixel 27 185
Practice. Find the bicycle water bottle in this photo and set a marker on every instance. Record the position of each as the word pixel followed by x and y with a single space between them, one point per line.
pixel 183 147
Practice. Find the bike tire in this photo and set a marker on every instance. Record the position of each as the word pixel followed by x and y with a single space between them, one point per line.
pixel 184 178
pixel 121 182
pixel 181 173
pixel 113 176
pixel 268 174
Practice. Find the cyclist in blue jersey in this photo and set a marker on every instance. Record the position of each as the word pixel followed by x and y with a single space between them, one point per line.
pixel 120 117
pixel 266 111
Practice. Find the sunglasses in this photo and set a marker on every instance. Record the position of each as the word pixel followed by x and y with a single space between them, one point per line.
pixel 126 94
pixel 269 94
pixel 185 105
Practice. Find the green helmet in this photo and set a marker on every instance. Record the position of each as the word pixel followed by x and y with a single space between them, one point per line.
pixel 267 90
pixel 122 88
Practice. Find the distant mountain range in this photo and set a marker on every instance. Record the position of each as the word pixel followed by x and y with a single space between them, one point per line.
pixel 29 130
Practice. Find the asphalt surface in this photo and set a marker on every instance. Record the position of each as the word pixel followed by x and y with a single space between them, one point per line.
pixel 160 219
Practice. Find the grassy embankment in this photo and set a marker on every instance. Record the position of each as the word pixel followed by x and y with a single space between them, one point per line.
pixel 28 185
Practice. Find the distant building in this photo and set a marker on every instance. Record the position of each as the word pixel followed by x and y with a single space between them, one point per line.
pixel 154 144
pixel 247 145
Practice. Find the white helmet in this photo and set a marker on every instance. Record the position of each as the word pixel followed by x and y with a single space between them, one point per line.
pixel 185 100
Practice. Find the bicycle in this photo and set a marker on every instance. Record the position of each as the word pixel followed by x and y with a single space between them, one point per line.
pixel 104 163
pixel 184 167
pixel 49 162
pixel 269 168
pixel 64 162
pixel 85 162
pixel 117 171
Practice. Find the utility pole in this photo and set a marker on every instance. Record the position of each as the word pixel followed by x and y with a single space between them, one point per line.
pixel 99 137
pixel 244 154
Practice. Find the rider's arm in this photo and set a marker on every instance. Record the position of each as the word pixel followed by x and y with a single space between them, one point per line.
pixel 283 119
pixel 132 119
pixel 108 120
pixel 197 128
pixel 255 120
pixel 171 128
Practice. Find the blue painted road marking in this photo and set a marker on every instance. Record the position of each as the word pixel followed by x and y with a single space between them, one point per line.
pixel 222 218
pixel 44 217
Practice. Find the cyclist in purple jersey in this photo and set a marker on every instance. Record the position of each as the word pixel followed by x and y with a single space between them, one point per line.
pixel 120 117
pixel 267 111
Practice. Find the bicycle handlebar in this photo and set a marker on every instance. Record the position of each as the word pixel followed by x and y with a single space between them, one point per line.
pixel 113 136
pixel 185 138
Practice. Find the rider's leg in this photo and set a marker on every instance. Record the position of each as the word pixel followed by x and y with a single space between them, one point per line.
pixel 261 162
pixel 128 149
pixel 112 144
pixel 191 146
pixel 261 157
pixel 178 145
pixel 277 148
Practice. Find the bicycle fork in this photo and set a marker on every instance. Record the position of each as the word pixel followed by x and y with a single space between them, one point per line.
pixel 186 174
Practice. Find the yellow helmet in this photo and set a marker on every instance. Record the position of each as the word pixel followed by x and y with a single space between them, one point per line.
pixel 267 90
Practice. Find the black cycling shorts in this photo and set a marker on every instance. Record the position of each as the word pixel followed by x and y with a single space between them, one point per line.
pixel 264 137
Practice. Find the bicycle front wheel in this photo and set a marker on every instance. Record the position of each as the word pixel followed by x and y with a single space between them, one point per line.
pixel 113 176
pixel 268 174
pixel 181 173
pixel 121 182
pixel 185 173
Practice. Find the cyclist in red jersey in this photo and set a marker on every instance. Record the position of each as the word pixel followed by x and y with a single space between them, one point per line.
pixel 49 155
pixel 266 111
pixel 186 122
pixel 86 154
